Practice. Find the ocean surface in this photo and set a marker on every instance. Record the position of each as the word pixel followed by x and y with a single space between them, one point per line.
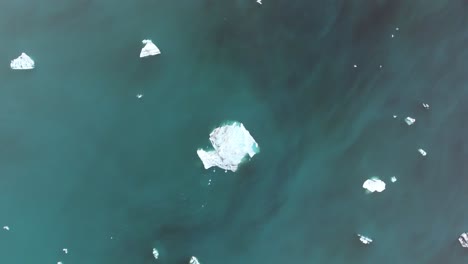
pixel 86 165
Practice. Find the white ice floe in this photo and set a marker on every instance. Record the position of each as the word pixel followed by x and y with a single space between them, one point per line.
pixel 23 62
pixel 364 239
pixel 393 36
pixel 231 144
pixel 194 260
pixel 374 185
pixel 424 153
pixel 410 120
pixel 355 65
pixel 149 49
pixel 425 105
pixel 60 262
pixel 155 253
pixel 395 116
pixel 65 250
pixel 393 179
pixel 397 29
pixel 7 228
pixel 259 2
pixel 463 238
pixel 139 96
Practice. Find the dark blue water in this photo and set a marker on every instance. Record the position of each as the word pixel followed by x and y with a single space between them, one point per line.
pixel 85 165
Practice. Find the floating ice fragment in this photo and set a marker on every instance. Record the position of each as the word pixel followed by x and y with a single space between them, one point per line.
pixel 60 262
pixel 425 106
pixel 23 62
pixel 231 144
pixel 374 184
pixel 149 49
pixel 393 179
pixel 380 66
pixel 393 35
pixel 463 238
pixel 397 29
pixel 194 260
pixel 7 228
pixel 364 239
pixel 394 116
pixel 259 2
pixel 65 250
pixel 422 152
pixel 155 253
pixel 139 96
pixel 355 65
pixel 410 121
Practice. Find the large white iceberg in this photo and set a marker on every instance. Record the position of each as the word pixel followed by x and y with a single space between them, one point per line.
pixel 231 144
pixel 374 185
pixel 194 260
pixel 23 62
pixel 149 49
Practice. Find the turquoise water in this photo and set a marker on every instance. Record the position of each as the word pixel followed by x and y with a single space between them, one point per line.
pixel 87 166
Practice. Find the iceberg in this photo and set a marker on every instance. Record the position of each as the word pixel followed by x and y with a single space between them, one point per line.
pixel 393 179
pixel 423 153
pixel 23 62
pixel 155 253
pixel 194 260
pixel 425 105
pixel 374 185
pixel 65 250
pixel 364 239
pixel 149 49
pixel 410 121
pixel 463 238
pixel 7 228
pixel 231 144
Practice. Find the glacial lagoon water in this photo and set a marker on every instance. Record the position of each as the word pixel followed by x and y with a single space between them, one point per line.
pixel 86 165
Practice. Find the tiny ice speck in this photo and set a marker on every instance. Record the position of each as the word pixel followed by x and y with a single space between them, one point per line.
pixel 393 36
pixel 355 65
pixel 65 250
pixel 139 96
pixel 425 105
pixel 259 2
pixel 397 29
pixel 393 179
pixel 7 228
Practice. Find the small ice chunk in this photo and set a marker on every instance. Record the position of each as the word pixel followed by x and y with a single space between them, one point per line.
pixel 394 116
pixel 393 179
pixel 231 144
pixel 259 2
pixel 364 239
pixel 65 250
pixel 463 238
pixel 397 29
pixel 149 49
pixel 23 62
pixel 424 153
pixel 380 66
pixel 194 260
pixel 60 262
pixel 425 105
pixel 155 253
pixel 139 96
pixel 7 228
pixel 410 120
pixel 393 36
pixel 355 66
pixel 374 184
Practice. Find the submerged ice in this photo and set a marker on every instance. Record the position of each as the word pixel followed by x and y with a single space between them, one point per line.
pixel 231 144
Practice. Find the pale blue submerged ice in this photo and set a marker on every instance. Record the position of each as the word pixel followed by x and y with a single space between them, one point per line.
pixel 231 144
